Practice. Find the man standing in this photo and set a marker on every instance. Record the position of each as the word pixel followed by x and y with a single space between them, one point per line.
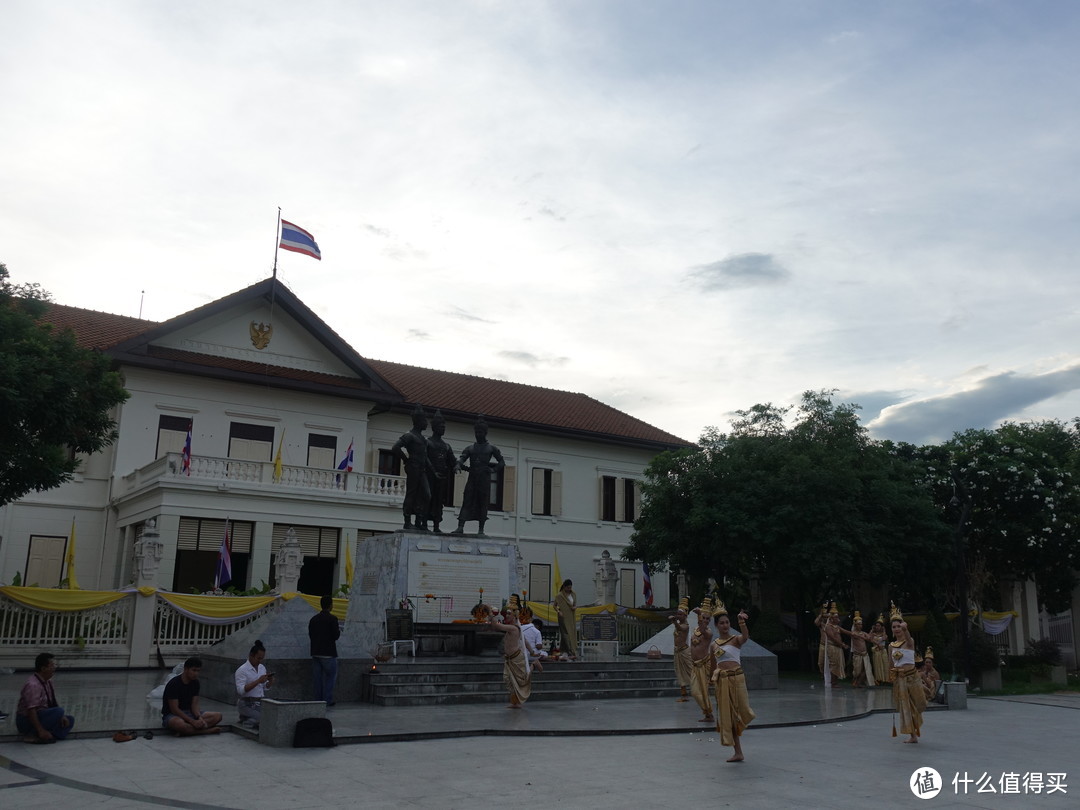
pixel 180 704
pixel 323 630
pixel 482 461
pixel 440 470
pixel 38 718
pixel 417 488
pixel 702 660
pixel 862 670
pixel 828 623
pixel 684 666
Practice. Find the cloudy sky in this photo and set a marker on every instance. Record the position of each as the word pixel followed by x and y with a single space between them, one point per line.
pixel 679 208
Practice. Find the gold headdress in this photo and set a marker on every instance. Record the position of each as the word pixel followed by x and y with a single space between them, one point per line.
pixel 894 613
pixel 706 605
pixel 857 618
pixel 719 610
pixel 832 608
pixel 880 619
pixel 514 604
pixel 929 653
pixel 684 604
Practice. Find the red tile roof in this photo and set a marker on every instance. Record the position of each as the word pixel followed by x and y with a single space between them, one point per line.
pixel 526 405
pixel 515 402
pixel 95 330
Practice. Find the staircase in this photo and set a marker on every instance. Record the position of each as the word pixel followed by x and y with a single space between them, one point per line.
pixel 479 680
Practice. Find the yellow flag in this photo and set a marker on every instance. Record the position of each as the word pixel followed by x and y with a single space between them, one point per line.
pixel 556 581
pixel 348 563
pixel 277 458
pixel 73 583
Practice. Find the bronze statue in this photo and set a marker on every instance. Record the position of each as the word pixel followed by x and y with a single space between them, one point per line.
pixel 480 460
pixel 440 470
pixel 411 448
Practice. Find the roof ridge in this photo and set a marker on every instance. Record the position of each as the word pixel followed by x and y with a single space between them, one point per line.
pixel 482 377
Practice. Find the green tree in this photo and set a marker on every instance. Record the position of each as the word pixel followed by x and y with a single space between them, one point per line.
pixel 813 507
pixel 56 399
pixel 1023 505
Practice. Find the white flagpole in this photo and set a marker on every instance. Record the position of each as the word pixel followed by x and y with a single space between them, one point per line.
pixel 277 239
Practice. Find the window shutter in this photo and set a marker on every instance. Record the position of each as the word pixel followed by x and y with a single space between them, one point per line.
pixel 620 499
pixel 537 491
pixel 509 499
pixel 556 492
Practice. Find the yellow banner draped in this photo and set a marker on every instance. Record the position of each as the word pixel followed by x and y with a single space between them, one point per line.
pixel 341 606
pixel 54 599
pixel 217 607
pixel 546 613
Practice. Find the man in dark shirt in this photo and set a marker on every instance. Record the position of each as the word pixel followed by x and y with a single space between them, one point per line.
pixel 180 704
pixel 323 631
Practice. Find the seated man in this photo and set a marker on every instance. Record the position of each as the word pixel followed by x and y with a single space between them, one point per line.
pixel 38 716
pixel 534 641
pixel 251 681
pixel 180 704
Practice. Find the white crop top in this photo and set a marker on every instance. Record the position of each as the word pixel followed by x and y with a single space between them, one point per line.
pixel 901 657
pixel 727 652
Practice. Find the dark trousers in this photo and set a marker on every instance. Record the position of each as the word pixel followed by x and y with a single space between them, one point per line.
pixel 50 721
pixel 324 676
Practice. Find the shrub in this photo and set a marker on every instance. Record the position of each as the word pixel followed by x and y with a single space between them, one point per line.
pixel 1044 651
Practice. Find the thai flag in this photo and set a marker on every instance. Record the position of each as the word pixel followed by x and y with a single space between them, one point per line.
pixel 646 584
pixel 223 572
pixel 298 240
pixel 346 463
pixel 185 457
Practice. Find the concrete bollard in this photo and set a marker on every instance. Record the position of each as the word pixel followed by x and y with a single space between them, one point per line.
pixel 955 695
pixel 279 718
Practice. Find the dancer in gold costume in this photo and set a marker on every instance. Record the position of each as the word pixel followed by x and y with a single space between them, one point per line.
pixel 517 671
pixel 879 653
pixel 909 694
pixel 684 666
pixel 701 660
pixel 829 625
pixel 862 671
pixel 733 712
pixel 930 676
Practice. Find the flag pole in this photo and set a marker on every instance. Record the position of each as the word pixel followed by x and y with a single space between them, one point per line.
pixel 277 239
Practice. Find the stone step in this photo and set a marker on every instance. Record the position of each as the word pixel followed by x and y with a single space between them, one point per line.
pixel 538 694
pixel 495 673
pixel 539 683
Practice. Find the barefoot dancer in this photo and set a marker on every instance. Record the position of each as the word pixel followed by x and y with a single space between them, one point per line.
pixel 517 677
pixel 831 644
pixel 862 671
pixel 879 654
pixel 702 660
pixel 733 712
pixel 909 694
pixel 684 665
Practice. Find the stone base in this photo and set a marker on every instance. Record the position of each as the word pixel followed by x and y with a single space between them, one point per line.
pixel 598 650
pixel 955 695
pixel 279 718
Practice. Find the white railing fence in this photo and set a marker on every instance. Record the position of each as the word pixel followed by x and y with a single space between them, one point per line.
pixel 180 634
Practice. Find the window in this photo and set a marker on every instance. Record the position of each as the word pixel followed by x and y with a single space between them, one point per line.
pixel 539 582
pixel 319 545
pixel 620 499
pixel 502 497
pixel 171 434
pixel 389 464
pixel 250 442
pixel 45 561
pixel 546 491
pixel 627 587
pixel 321 451
pixel 198 544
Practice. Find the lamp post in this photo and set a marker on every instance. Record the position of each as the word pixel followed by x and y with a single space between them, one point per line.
pixel 961 500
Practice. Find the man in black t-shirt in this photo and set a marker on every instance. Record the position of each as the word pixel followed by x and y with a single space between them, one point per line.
pixel 180 704
pixel 324 631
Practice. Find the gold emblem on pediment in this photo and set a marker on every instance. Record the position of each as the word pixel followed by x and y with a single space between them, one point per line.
pixel 261 334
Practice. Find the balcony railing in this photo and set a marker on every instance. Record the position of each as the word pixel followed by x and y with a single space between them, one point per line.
pixel 260 474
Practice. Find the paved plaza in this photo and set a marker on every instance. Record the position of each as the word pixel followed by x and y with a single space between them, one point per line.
pixel 809 748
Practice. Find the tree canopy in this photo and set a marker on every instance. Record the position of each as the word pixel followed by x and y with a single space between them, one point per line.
pixel 57 399
pixel 813 507
pixel 1024 505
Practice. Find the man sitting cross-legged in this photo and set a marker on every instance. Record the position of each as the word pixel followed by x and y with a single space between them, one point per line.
pixel 180 704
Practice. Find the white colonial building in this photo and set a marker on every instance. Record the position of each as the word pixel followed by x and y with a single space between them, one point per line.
pixel 258 371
